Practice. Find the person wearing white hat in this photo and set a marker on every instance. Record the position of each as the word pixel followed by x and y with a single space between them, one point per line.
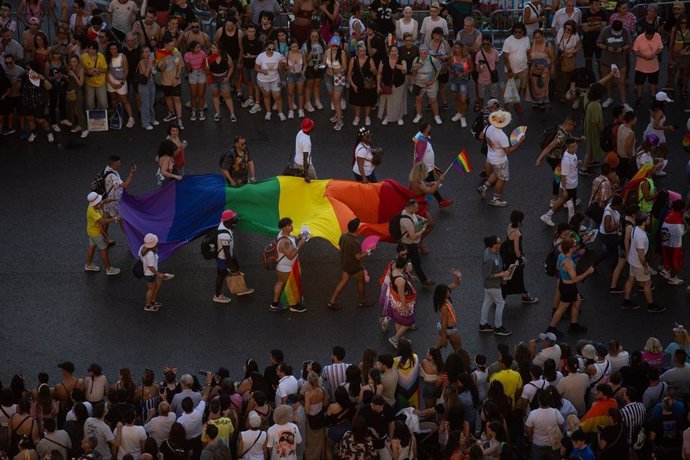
pixel 95 221
pixel 657 122
pixel 499 148
pixel 549 349
pixel 148 254
pixel 251 444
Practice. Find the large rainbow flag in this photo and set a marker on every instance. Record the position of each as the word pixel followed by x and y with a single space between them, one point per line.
pixel 184 210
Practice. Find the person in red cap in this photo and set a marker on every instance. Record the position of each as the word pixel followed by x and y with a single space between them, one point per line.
pixel 226 262
pixel 302 159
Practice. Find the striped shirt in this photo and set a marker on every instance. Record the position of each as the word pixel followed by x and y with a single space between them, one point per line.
pixel 633 415
pixel 334 374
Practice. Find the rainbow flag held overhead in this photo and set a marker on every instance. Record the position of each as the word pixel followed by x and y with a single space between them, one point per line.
pixel 293 292
pixel 183 210
pixel 462 162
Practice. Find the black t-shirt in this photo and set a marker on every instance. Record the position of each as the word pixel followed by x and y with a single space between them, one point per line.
pixel 616 443
pixel 384 15
pixel 408 55
pixel 253 47
pixel 589 18
pixel 668 429
pixel 185 14
pixel 379 44
pixel 377 422
pixel 133 57
pixel 271 379
pixel 159 5
pixel 583 77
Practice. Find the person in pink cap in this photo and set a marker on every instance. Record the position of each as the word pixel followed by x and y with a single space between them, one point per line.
pixel 226 260
pixel 302 158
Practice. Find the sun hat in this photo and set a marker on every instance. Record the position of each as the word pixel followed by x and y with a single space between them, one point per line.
pixel 307 125
pixel 500 118
pixel 662 96
pixel 227 215
pixel 150 240
pixel 94 198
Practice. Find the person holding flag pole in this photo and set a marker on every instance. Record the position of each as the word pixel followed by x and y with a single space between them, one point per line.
pixel 424 153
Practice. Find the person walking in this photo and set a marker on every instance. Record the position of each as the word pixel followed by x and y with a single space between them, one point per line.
pixel 499 148
pixel 513 253
pixel 412 229
pixel 148 254
pixel 238 165
pixel 351 257
pixel 226 259
pixel 95 220
pixel 288 266
pixel 569 181
pixel 424 153
pixel 493 275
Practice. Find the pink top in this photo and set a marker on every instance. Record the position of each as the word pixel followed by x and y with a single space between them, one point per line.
pixel 654 360
pixel 484 76
pixel 195 60
pixel 646 51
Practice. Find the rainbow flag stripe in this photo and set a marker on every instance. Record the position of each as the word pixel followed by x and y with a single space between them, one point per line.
pixel 293 292
pixel 462 162
pixel 184 210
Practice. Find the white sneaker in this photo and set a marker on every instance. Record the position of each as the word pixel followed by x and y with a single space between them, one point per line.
pixel 607 102
pixel 438 120
pixel 456 117
pixel 291 114
pixel 248 103
pixel 463 122
pixel 221 299
pixel 300 113
pixel 367 121
pixel 85 134
pixel 343 104
pixel 76 129
pixel 268 116
pixel 417 118
pixel 65 122
pixel 627 108
pixel 338 125
pixel 202 115
pixel 92 268
pixel 576 104
pixel 665 274
pixel 51 138
pixel 112 271
pixel 155 122
pixel 318 105
pixel 130 122
pixel 498 203
pixel 401 122
pixel 274 107
pixel 56 128
pixel 281 115
pixel 333 119
pixel 32 137
pixel 355 122
pixel 385 121
pixel 675 281
pixel 148 128
pixel 547 220
pixel 256 108
pixel 308 107
pixel 332 106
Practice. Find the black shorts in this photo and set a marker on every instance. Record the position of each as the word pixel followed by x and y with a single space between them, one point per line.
pixel 568 292
pixel 572 194
pixel 652 78
pixel 36 112
pixel 5 106
pixel 443 77
pixel 172 90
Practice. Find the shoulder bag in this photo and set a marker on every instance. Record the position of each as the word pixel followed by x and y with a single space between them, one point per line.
pixel 493 72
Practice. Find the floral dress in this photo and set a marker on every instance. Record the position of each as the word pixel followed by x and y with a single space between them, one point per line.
pixel 351 449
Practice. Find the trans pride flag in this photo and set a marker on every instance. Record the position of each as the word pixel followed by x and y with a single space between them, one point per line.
pixel 184 210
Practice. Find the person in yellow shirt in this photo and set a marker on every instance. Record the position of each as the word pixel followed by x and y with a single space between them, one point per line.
pixel 95 68
pixel 510 379
pixel 224 424
pixel 94 230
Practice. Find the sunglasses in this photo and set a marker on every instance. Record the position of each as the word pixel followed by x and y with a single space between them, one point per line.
pixel 270 49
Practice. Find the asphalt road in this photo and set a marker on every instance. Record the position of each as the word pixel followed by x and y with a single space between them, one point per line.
pixel 52 310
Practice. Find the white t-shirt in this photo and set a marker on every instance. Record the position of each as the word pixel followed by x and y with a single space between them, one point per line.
pixel 560 17
pixel 496 141
pixel 132 436
pixel 149 260
pixel 517 52
pixel 9 410
pixel 159 427
pixel 283 440
pixel 552 352
pixel 225 239
pixel 615 216
pixel 113 184
pixel 619 361
pixel 638 240
pixel 122 14
pixel 270 63
pixel 643 158
pixel 286 386
pixel 541 420
pixel 534 12
pixel 569 169
pixel 302 144
pixel 363 151
pixel 428 26
pixel 98 428
pixel 254 450
pixel 429 156
pixel 529 391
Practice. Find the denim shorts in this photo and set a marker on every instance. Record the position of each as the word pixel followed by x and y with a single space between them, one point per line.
pixel 197 76
pixel 222 83
pixel 293 78
pixel 150 278
pixel 459 86
pixel 98 241
pixel 250 76
pixel 330 84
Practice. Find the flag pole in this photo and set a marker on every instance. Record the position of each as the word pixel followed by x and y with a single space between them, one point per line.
pixel 448 168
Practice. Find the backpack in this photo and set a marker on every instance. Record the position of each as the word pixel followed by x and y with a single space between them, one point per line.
pixel 551 261
pixel 534 402
pixel 606 142
pixel 138 269
pixel 270 254
pixel 478 126
pixel 394 226
pixel 209 244
pixel 98 183
pixel 548 136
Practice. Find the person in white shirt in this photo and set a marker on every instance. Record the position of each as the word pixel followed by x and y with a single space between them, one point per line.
pixel 226 262
pixel 334 373
pixel 533 16
pixel 159 427
pixel 363 168
pixel 284 436
pixel 497 155
pixel 302 159
pixel 129 438
pixel 53 440
pixel 569 182
pixel 539 423
pixel 267 67
pixel 431 22
pixel 287 383
pixel 549 349
pixel 515 59
pixel 193 422
pixel 95 427
pixel 569 12
pixel 639 267
pixel 122 14
pixel 114 186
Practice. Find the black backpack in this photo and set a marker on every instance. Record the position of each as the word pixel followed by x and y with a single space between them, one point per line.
pixel 478 126
pixel 552 260
pixel 534 403
pixel 209 244
pixel 394 226
pixel 548 136
pixel 606 142
pixel 138 269
pixel 98 182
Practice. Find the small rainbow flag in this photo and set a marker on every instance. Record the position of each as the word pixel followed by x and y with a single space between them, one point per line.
pixel 292 293
pixel 462 163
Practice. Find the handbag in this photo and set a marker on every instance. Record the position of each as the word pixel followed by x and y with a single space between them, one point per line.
pixel 369 82
pixel 567 63
pixel 71 95
pixel 237 284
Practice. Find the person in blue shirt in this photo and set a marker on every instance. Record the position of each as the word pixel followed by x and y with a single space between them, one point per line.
pixel 581 449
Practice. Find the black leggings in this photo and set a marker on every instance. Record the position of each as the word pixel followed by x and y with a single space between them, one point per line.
pixel 555 186
pixel 56 97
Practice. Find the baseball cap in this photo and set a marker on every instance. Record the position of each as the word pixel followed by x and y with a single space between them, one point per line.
pixel 227 215
pixel 254 419
pixel 307 125
pixel 662 96
pixel 550 336
pixel 589 352
pixel 150 240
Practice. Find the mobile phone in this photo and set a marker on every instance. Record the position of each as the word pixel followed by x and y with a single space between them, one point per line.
pixel 203 373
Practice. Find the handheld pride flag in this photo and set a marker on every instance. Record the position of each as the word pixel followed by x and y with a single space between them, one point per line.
pixel 462 163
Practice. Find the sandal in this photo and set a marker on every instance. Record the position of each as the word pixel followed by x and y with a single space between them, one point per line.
pixel 365 304
pixel 151 308
pixel 334 306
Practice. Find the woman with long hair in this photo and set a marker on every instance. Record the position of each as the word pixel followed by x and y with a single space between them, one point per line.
pixel 21 425
pixel 353 382
pixel 407 366
pixel 315 400
pixel 469 398
pixel 125 382
pixel 512 253
pixel 220 68
pixel 329 10
pixel 391 87
pixel 41 51
pixel 448 321
pixel 567 47
pixel 245 386
pixel 196 61
pixel 55 72
pixel 401 299
pixel 432 365
pixel 148 253
pixel 338 419
pixel 356 443
pixel 403 446
pixel 372 387
pixel 461 68
pixel 180 146
pixel 74 97
pixel 335 60
pixel 440 49
pixel 593 126
pixel 175 444
pixel 116 80
pixel 296 65
pixel 44 406
pixel 313 49
pixel 146 88
pixel 361 73
pixel 541 59
pixel 368 362
pixel 148 395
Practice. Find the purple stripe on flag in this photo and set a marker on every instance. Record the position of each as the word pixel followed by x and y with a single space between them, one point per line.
pixel 458 166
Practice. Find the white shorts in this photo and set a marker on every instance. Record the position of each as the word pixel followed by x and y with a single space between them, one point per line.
pixel 269 87
pixel 122 91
